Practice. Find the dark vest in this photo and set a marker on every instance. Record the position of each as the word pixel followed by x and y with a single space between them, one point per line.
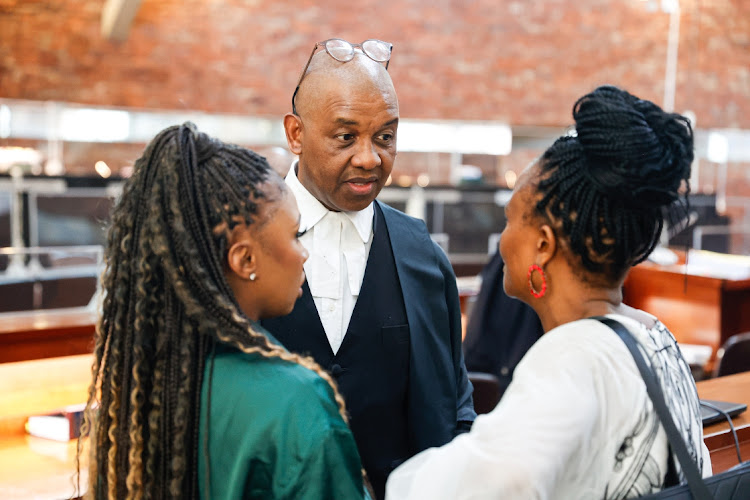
pixel 372 364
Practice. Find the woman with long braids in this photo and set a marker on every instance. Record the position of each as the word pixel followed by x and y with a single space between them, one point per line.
pixel 576 421
pixel 191 398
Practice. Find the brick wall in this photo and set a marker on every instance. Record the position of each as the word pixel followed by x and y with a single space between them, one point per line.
pixel 521 62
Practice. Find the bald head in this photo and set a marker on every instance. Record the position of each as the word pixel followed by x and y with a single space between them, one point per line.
pixel 325 75
pixel 344 130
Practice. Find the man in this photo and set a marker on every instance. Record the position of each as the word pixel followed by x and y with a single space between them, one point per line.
pixel 380 307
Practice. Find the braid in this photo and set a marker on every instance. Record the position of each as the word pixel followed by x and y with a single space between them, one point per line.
pixel 166 303
pixel 156 408
pixel 607 189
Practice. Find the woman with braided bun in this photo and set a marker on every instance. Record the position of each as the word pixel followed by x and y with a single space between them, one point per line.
pixel 576 421
pixel 191 398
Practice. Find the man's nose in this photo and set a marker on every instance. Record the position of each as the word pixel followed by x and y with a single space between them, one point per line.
pixel 367 156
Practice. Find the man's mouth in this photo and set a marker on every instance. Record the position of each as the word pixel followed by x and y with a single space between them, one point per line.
pixel 362 186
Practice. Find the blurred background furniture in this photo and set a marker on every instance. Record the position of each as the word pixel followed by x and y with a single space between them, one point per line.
pixel 500 329
pixel 703 309
pixel 486 391
pixel 31 335
pixel 718 436
pixel 733 356
pixel 33 467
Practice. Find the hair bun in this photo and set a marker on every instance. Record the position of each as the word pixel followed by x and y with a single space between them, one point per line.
pixel 634 150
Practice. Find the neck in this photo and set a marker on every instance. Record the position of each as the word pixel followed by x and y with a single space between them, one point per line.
pixel 246 303
pixel 578 302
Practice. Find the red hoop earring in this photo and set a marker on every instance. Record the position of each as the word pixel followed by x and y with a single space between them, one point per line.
pixel 540 293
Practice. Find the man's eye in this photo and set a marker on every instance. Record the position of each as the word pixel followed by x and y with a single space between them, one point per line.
pixel 346 137
pixel 301 233
pixel 386 137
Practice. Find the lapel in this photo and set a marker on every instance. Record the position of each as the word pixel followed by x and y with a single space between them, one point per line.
pixel 432 315
pixel 408 251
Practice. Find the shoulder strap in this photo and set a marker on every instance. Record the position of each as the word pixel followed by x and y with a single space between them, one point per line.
pixel 695 481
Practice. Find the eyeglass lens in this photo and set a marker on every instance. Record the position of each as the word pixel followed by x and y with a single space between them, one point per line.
pixel 343 51
pixel 377 50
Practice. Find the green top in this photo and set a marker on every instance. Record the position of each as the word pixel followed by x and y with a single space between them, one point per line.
pixel 274 432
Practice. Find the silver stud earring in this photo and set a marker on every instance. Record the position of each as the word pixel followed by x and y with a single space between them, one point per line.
pixel 252 276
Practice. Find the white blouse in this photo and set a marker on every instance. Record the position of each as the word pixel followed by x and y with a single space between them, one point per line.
pixel 575 423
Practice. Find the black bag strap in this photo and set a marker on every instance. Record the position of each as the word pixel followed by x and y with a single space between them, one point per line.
pixel 695 481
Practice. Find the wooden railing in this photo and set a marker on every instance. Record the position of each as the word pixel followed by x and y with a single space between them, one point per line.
pixel 46 334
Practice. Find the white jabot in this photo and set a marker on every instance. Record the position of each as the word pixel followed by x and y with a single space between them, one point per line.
pixel 339 244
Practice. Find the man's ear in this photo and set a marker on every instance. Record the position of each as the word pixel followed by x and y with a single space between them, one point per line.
pixel 241 258
pixel 546 245
pixel 293 130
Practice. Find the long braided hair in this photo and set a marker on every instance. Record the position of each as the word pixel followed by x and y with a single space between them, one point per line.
pixel 165 303
pixel 609 188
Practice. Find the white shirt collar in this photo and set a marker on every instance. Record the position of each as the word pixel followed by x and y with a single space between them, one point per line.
pixel 312 211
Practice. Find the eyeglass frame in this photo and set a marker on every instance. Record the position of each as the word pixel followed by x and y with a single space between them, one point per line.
pixel 353 45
